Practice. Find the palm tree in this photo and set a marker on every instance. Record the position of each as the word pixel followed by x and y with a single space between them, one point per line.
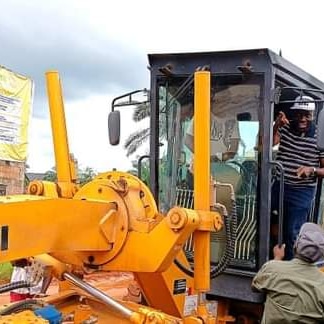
pixel 142 111
pixel 137 138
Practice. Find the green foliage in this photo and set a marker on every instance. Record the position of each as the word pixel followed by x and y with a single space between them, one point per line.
pixel 5 271
pixel 50 175
pixel 141 111
pixel 135 140
pixel 26 181
pixel 145 172
pixel 139 137
pixel 84 175
pixel 163 169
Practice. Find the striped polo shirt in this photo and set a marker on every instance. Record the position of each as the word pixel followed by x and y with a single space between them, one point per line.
pixel 295 151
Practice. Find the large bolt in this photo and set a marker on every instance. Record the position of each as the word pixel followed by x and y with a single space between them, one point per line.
pixel 218 223
pixel 175 218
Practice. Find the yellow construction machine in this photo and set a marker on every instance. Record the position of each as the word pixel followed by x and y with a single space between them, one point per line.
pixel 197 235
pixel 111 223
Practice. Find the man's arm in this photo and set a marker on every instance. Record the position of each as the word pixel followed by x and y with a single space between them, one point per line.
pixel 280 121
pixel 232 150
pixel 320 171
pixel 262 279
pixel 305 171
pixel 279 252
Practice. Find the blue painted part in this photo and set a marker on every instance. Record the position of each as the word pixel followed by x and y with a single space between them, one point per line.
pixel 49 313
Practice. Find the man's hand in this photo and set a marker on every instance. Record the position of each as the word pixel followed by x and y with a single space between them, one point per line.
pixel 305 172
pixel 279 252
pixel 228 155
pixel 281 120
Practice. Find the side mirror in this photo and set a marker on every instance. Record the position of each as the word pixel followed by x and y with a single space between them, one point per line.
pixel 320 130
pixel 114 127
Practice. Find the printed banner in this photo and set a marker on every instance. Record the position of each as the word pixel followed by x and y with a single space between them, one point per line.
pixel 16 97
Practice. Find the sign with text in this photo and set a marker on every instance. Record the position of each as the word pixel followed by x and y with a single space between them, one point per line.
pixel 16 97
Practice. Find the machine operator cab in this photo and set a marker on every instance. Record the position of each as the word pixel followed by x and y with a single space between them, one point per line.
pixel 248 89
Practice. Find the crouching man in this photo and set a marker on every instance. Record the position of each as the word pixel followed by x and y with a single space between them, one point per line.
pixel 294 289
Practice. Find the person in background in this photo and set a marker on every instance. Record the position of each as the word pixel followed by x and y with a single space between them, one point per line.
pixel 302 164
pixel 22 272
pixel 19 273
pixel 294 289
pixel 224 140
pixel 224 137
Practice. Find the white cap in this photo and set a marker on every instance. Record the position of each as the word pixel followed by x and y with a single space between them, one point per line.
pixel 304 103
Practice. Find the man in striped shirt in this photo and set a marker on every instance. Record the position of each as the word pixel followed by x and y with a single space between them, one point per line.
pixel 302 163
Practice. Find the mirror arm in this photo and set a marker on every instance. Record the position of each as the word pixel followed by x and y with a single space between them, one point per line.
pixel 129 95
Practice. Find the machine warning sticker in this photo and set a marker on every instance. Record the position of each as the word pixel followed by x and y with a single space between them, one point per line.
pixel 179 286
pixel 190 305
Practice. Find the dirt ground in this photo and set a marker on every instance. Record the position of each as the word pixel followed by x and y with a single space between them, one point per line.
pixel 118 285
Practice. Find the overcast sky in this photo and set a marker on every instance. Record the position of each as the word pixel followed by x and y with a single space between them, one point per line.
pixel 100 50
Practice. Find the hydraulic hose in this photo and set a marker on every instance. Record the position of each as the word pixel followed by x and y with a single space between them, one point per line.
pixel 230 229
pixel 14 285
pixel 187 271
pixel 21 305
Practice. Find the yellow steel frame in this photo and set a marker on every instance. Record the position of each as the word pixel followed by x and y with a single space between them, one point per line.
pixel 112 223
pixel 202 176
pixel 65 164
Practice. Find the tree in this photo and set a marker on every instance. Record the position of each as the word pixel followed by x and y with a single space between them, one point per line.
pixel 137 138
pixel 141 112
pixel 50 175
pixel 84 175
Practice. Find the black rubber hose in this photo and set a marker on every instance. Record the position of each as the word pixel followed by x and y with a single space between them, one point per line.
pixel 230 229
pixel 187 271
pixel 21 305
pixel 14 285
